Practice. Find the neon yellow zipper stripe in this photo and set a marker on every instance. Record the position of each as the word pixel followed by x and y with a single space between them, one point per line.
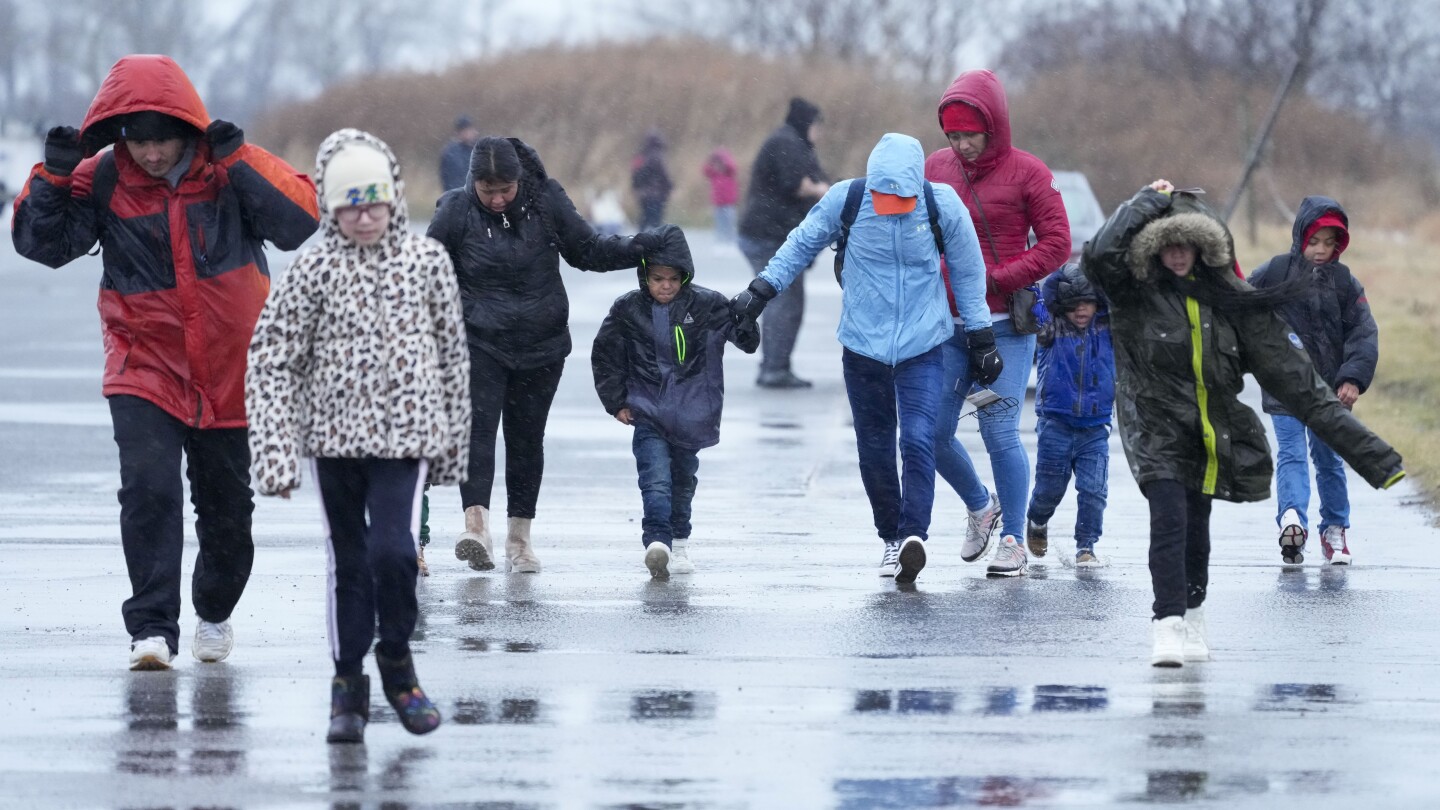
pixel 680 345
pixel 1202 395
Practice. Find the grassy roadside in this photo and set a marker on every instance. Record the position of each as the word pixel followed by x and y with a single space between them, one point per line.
pixel 1403 404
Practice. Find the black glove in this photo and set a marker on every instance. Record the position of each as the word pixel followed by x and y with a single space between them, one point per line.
pixel 748 305
pixel 646 243
pixel 224 138
pixel 985 363
pixel 62 150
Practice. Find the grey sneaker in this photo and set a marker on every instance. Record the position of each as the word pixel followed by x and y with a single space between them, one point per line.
pixel 213 641
pixel 980 533
pixel 890 560
pixel 1009 559
pixel 1037 537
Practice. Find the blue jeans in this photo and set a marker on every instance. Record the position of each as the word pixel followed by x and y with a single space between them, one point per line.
pixel 999 427
pixel 667 485
pixel 1063 448
pixel 882 398
pixel 725 224
pixel 1292 474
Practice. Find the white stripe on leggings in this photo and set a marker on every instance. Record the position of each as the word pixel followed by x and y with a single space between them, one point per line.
pixel 331 622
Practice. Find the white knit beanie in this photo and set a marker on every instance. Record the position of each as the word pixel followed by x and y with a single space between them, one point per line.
pixel 358 174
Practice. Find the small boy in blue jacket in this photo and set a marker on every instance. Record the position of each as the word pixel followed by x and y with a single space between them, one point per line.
pixel 658 364
pixel 1074 397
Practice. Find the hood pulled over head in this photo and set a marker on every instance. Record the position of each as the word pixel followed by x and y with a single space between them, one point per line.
pixel 674 252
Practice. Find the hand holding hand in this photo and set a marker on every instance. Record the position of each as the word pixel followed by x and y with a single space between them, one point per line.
pixel 751 301
pixel 985 362
pixel 1348 393
pixel 1163 186
pixel 62 150
pixel 224 138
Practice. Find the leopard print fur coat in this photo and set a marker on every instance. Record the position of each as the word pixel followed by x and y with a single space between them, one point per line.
pixel 360 351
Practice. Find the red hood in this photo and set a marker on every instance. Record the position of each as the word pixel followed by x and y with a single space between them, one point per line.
pixel 981 89
pixel 136 83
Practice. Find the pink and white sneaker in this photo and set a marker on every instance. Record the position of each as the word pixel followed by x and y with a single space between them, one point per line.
pixel 1332 541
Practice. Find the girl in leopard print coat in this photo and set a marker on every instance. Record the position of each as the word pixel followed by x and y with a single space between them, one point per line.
pixel 359 363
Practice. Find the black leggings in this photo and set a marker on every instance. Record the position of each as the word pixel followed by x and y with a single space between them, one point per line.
pixel 523 398
pixel 1179 546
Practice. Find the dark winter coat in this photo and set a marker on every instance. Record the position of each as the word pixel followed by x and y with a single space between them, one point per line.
pixel 454 164
pixel 184 274
pixel 1075 378
pixel 1180 363
pixel 1014 188
pixel 1332 317
pixel 649 178
pixel 508 264
pixel 674 380
pixel 772 206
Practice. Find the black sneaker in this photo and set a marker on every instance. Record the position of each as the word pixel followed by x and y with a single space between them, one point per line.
pixel 781 380
pixel 912 559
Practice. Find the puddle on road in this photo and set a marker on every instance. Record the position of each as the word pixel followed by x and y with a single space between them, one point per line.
pixel 1300 697
pixel 679 705
pixel 991 701
pixel 955 791
pixel 512 711
pixel 157 743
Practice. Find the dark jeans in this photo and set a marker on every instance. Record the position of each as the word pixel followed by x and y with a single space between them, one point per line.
pixel 667 485
pixel 652 214
pixel 522 398
pixel 780 323
pixel 1059 449
pixel 883 398
pixel 372 562
pixel 152 519
pixel 1179 546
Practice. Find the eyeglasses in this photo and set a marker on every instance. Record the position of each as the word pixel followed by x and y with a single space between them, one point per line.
pixel 351 214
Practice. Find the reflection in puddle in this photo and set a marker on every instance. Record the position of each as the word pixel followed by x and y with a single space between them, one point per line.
pixel 1000 700
pixel 348 767
pixel 154 743
pixel 1190 740
pixel 951 791
pixel 514 711
pixel 657 705
pixel 522 646
pixel 1178 700
pixel 399 772
pixel 1059 698
pixel 474 645
pixel 905 701
pixel 1301 697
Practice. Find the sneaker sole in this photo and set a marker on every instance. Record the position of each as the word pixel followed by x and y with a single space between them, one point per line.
pixel 214 659
pixel 1292 545
pixel 992 572
pixel 1168 662
pixel 985 549
pixel 149 663
pixel 1340 559
pixel 887 572
pixel 658 562
pixel 912 561
pixel 472 551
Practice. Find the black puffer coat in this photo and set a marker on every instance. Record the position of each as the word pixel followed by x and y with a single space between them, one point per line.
pixel 1332 317
pixel 508 264
pixel 773 206
pixel 1180 363
pixel 673 378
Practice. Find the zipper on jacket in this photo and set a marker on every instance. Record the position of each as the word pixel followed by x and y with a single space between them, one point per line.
pixel 1202 394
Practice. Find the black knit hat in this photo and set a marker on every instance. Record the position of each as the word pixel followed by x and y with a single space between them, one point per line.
pixel 148 125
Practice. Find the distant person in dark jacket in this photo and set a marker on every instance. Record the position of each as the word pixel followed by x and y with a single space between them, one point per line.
pixel 785 182
pixel 181 209
pixel 506 230
pixel 1186 330
pixel 658 363
pixel 651 181
pixel 1333 321
pixel 455 157
pixel 1074 395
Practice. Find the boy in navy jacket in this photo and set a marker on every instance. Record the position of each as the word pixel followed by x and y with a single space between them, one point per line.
pixel 658 363
pixel 1074 396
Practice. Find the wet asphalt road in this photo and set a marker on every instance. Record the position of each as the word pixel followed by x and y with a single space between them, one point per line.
pixel 784 673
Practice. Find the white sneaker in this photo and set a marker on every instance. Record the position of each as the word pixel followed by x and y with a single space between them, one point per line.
pixel 1167 638
pixel 980 533
pixel 657 559
pixel 890 559
pixel 1197 641
pixel 150 654
pixel 680 558
pixel 911 559
pixel 1292 538
pixel 1010 559
pixel 212 641
pixel 1332 542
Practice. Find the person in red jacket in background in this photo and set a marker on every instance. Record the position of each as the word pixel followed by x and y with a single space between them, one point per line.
pixel 722 173
pixel 181 208
pixel 1009 192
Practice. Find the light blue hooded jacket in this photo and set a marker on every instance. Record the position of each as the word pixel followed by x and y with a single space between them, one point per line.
pixel 893 306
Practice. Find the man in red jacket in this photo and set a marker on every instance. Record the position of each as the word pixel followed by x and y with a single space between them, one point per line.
pixel 1009 192
pixel 181 208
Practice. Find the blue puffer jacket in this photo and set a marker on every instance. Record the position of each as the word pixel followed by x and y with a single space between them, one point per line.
pixel 1075 383
pixel 894 305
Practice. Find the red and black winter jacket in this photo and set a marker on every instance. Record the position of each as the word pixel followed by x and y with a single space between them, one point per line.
pixel 184 271
pixel 1016 189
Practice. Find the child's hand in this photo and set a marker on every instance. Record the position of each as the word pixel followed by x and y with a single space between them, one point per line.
pixel 623 416
pixel 1163 186
pixel 1348 393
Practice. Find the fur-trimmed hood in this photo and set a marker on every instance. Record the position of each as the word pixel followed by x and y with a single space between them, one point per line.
pixel 1185 228
pixel 399 212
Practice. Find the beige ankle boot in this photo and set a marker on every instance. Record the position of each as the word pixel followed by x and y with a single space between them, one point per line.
pixel 474 545
pixel 521 556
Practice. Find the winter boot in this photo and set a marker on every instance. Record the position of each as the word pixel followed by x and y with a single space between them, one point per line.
pixel 474 545
pixel 518 553
pixel 349 708
pixel 397 680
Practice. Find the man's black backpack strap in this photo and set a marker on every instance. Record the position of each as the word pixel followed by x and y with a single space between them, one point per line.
pixel 852 209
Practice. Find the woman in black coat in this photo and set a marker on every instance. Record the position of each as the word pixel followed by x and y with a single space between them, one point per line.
pixel 506 230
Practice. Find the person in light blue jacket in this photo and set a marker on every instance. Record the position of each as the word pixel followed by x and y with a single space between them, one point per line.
pixel 893 319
